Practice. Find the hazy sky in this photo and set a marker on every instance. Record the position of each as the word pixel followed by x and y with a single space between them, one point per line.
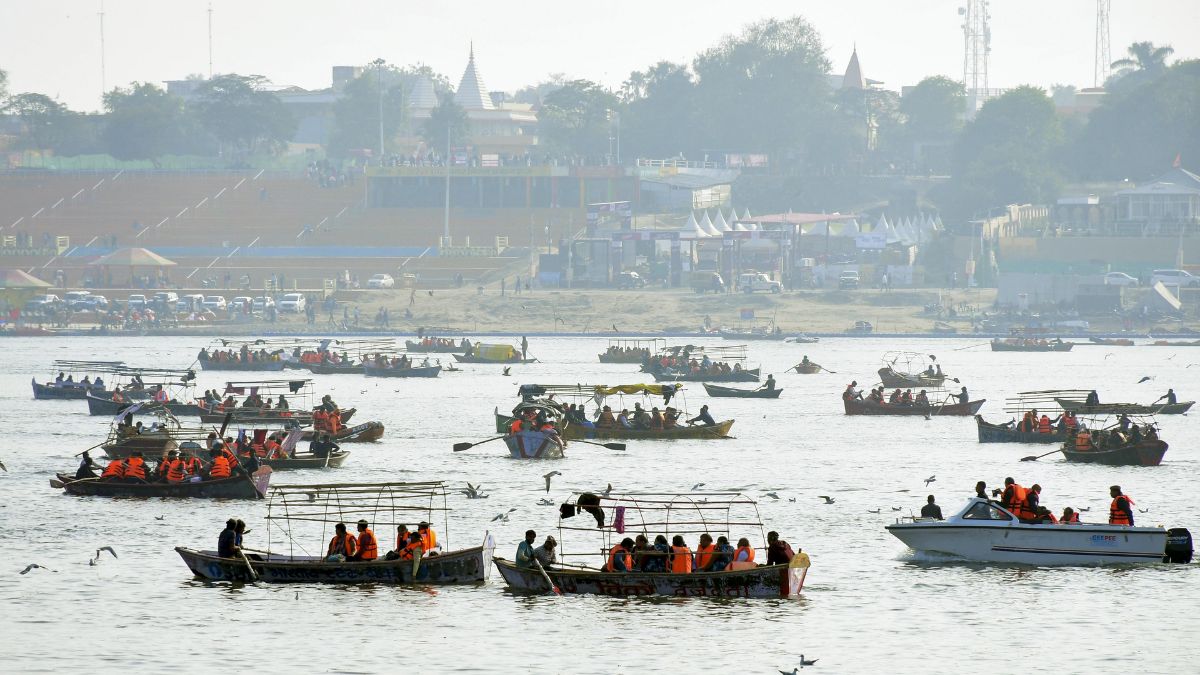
pixel 53 46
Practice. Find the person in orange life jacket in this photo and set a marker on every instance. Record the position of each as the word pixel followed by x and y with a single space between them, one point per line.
pixel 1069 517
pixel 1045 517
pixel 343 546
pixel 219 466
pixel 401 542
pixel 722 555
pixel 620 558
pixel 172 468
pixel 114 471
pixel 515 427
pixel 428 536
pixel 779 552
pixel 1029 510
pixel 160 395
pixel 704 553
pixel 744 552
pixel 414 548
pixel 368 548
pixel 192 466
pixel 681 556
pixel 1013 496
pixel 135 469
pixel 1120 512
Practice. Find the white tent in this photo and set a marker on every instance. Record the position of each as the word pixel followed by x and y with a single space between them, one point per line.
pixel 908 235
pixel 746 214
pixel 720 223
pixel 691 229
pixel 733 217
pixel 928 229
pixel 849 228
pixel 819 229
pixel 738 227
pixel 706 224
pixel 891 236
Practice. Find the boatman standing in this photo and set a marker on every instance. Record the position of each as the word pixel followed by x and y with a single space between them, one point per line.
pixel 1120 512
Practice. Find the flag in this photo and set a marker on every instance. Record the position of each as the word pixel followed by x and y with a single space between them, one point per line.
pixel 1178 163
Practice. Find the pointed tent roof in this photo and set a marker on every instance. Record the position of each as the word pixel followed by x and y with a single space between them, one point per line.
pixel 471 94
pixel 691 229
pixel 849 229
pixel 422 96
pixel 881 225
pixel 733 217
pixel 720 223
pixel 739 227
pixel 134 257
pixel 746 214
pixel 706 224
pixel 853 79
pixel 821 228
pixel 21 279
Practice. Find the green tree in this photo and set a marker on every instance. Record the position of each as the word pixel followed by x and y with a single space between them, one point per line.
pixel 658 118
pixel 143 122
pixel 356 112
pixel 934 109
pixel 1143 57
pixel 447 124
pixel 575 118
pixel 238 112
pixel 42 119
pixel 1008 154
pixel 3 85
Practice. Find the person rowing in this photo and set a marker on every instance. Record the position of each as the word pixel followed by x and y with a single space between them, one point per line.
pixel 769 385
pixel 704 417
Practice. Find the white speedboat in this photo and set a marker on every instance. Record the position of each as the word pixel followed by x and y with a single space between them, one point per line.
pixel 983 531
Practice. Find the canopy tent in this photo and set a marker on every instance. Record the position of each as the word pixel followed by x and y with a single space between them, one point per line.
pixel 849 229
pixel 892 237
pixel 819 229
pixel 733 217
pixel 746 214
pixel 706 224
pixel 720 223
pixel 692 230
pixel 20 279
pixel 134 257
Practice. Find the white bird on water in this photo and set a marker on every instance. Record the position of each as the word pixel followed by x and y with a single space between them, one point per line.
pixel 101 550
pixel 472 492
pixel 545 502
pixel 549 477
pixel 772 495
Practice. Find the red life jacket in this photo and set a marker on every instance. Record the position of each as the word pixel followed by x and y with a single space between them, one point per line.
pixel 1116 516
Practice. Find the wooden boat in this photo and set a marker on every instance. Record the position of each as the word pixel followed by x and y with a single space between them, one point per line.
pixel 1111 342
pixel 749 375
pixel 106 406
pixel 1030 345
pixel 420 348
pixel 717 391
pixel 533 445
pixel 577 431
pixel 943 328
pixel 464 566
pixel 630 351
pixel 999 433
pixel 58 392
pixel 1080 407
pixel 334 368
pixel 263 415
pixel 893 378
pixel 367 432
pixel 413 371
pixel 595 518
pixel 863 407
pixel 1145 453
pixel 802 339
pixel 309 512
pixel 910 370
pixel 809 368
pixel 241 486
pixel 306 461
pixel 250 366
pixel 1168 343
pixel 493 353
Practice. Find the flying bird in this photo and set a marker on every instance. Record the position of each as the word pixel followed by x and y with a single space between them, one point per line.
pixel 897 508
pixel 607 490
pixel 34 566
pixel 110 550
pixel 1087 509
pixel 929 480
pixel 697 486
pixel 549 477
pixel 1145 510
pixel 791 499
pixel 503 517
pixel 772 495
pixel 162 517
pixel 828 499
pixel 1145 378
pixel 1107 355
pixel 472 492
pixel 506 372
pixel 3 467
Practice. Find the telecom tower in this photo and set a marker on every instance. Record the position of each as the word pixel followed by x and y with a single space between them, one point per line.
pixel 1103 55
pixel 977 45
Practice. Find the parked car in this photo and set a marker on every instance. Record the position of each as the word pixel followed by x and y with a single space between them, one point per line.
pixel 262 303
pixel 190 303
pixel 848 280
pixel 96 303
pixel 292 302
pixel 630 280
pixel 72 297
pixel 215 303
pixel 861 328
pixel 240 304
pixel 381 281
pixel 707 281
pixel 164 300
pixel 749 282
pixel 1181 278
pixel 42 303
pixel 136 301
pixel 1119 279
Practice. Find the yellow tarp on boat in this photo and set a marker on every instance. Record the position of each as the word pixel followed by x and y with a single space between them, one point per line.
pixel 651 389
pixel 495 352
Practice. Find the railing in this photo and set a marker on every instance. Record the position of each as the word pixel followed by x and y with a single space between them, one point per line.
pixel 675 164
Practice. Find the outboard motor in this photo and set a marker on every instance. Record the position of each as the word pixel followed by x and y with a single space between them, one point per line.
pixel 1179 546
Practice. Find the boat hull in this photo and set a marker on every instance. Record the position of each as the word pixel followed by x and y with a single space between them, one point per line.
pixel 367 432
pixel 419 348
pixel 716 391
pixel 995 433
pixel 421 371
pixel 1146 453
pixel 258 415
pixel 332 368
pixel 254 366
pixel 466 566
pixel 1048 347
pixel 100 406
pixel 532 445
pixel 1020 543
pixel 856 407
pixel 241 486
pixel 1080 407
pixel 335 461
pixel 768 581
pixel 809 369
pixel 739 376
pixel 467 358
pixel 891 378
pixel 578 432
pixel 624 358
pixel 47 392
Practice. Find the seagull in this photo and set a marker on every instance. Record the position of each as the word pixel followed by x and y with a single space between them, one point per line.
pixel 472 492
pixel 607 490
pixel 503 517
pixel 897 508
pixel 34 566
pixel 506 372
pixel 1145 510
pixel 791 499
pixel 1087 509
pixel 545 502
pixel 772 495
pixel 1107 355
pixel 697 486
pixel 1145 378
pixel 110 550
pixel 162 517
pixel 929 480
pixel 875 511
pixel 828 500
pixel 806 663
pixel 524 307
pixel 3 467
pixel 550 476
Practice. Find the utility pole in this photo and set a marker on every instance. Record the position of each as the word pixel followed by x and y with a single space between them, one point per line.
pixel 378 63
pixel 1103 54
pixel 210 12
pixel 103 74
pixel 446 211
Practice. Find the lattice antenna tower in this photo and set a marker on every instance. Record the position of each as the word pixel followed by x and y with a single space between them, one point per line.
pixel 1103 54
pixel 977 45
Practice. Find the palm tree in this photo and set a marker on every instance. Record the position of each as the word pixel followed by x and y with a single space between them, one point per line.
pixel 1144 57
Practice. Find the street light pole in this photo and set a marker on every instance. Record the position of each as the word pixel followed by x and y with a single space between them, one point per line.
pixel 378 63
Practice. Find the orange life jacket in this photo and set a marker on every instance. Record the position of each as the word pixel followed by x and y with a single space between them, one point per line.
pixel 135 468
pixel 1069 418
pixel 366 544
pixel 749 551
pixel 115 469
pixel 1025 511
pixel 515 427
pixel 1016 503
pixel 627 559
pixel 1115 515
pixel 220 468
pixel 1044 425
pixel 681 560
pixel 345 544
pixel 428 537
pixel 703 555
pixel 1083 441
pixel 192 466
pixel 320 420
pixel 410 550
pixel 1073 518
pixel 335 422
pixel 175 471
pixel 1051 518
pixel 229 456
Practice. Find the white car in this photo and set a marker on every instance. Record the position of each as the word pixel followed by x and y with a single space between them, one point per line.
pixel 214 303
pixel 190 303
pixel 381 281
pixel 292 302
pixel 262 303
pixel 240 304
pixel 1181 278
pixel 136 301
pixel 1119 279
pixel 750 282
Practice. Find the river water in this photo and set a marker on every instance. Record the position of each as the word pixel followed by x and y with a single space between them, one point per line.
pixel 868 606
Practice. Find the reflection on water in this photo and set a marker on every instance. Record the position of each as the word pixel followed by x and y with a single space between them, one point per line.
pixel 866 603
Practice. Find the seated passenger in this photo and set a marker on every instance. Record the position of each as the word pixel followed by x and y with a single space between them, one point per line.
pixel 681 556
pixel 723 555
pixel 620 558
pixel 342 546
pixel 744 552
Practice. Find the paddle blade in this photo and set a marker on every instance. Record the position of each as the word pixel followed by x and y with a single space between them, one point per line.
pixel 459 447
pixel 615 446
pixel 1031 458
pixel 225 424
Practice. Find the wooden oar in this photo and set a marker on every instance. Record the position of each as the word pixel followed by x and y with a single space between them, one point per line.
pixel 610 446
pixel 459 447
pixel 545 576
pixel 1034 458
pixel 959 349
pixel 253 574
pixel 831 372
